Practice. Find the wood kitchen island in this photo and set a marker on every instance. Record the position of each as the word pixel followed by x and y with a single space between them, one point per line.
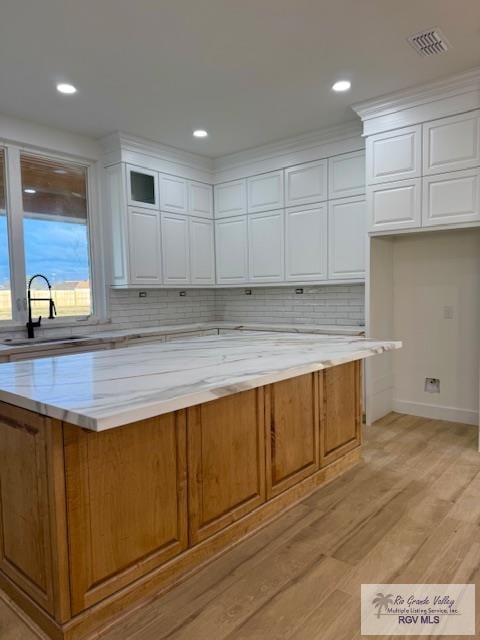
pixel 122 471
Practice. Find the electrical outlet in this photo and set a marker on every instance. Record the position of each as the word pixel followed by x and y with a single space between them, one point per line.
pixel 182 294
pixel 142 294
pixel 248 292
pixel 298 290
pixel 432 385
pixel 448 312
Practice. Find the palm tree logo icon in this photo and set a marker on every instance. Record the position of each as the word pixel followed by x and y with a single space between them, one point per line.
pixel 382 602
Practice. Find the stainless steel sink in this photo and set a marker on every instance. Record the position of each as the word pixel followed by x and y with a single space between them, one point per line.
pixel 20 342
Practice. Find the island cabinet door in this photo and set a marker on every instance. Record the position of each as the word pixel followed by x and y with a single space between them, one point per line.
pixel 32 531
pixel 292 421
pixel 126 503
pixel 226 461
pixel 341 410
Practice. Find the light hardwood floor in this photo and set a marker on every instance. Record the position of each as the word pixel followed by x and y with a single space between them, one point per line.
pixel 409 513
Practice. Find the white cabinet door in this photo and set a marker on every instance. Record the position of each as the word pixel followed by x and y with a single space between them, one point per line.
pixel 451 198
pixel 347 238
pixel 173 194
pixel 231 250
pixel 346 175
pixel 394 155
pixel 451 144
pixel 175 249
pixel 266 249
pixel 144 247
pixel 142 187
pixel 231 199
pixel 200 199
pixel 306 243
pixel 306 183
pixel 265 192
pixel 202 269
pixel 395 205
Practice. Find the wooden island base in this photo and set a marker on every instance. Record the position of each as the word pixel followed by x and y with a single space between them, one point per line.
pixel 93 523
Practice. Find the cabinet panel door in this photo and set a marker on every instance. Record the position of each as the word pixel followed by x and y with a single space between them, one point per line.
pixel 396 205
pixel 231 250
pixel 265 192
pixel 394 155
pixel 292 423
pixel 173 194
pixel 306 243
pixel 266 246
pixel 306 183
pixel 451 143
pixel 451 198
pixel 144 245
pixel 142 187
pixel 26 513
pixel 340 402
pixel 346 175
pixel 226 461
pixel 231 199
pixel 175 249
pixel 202 263
pixel 200 199
pixel 126 503
pixel 347 238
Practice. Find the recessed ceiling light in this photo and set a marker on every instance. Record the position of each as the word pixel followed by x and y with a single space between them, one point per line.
pixel 342 85
pixel 200 133
pixel 30 190
pixel 64 87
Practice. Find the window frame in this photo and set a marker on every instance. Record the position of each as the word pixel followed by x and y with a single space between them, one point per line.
pixel 16 244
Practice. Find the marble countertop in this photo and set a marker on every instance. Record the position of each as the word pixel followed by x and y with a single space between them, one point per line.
pixel 105 389
pixel 119 336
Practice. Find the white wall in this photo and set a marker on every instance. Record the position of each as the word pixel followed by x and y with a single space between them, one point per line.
pixel 432 271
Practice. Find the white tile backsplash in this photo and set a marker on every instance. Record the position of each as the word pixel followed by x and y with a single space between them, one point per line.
pixel 322 305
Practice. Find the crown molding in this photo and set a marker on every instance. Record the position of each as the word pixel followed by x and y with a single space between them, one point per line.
pixel 289 145
pixel 466 85
pixel 120 146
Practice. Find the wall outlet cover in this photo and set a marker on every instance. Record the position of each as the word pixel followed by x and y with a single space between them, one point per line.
pixel 432 385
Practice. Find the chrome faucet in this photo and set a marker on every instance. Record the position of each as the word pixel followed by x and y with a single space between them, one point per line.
pixel 52 310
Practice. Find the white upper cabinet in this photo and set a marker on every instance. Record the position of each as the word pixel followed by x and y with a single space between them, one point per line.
pixel 266 248
pixel 394 155
pixel 202 269
pixel 265 192
pixel 347 235
pixel 451 198
pixel 346 175
pixel 175 249
pixel 173 194
pixel 142 187
pixel 306 243
pixel 306 183
pixel 451 144
pixel 395 205
pixel 231 250
pixel 231 199
pixel 144 247
pixel 200 199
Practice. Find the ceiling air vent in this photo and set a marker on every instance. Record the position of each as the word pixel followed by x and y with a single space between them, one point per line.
pixel 429 42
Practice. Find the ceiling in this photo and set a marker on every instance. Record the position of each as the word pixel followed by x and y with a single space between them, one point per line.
pixel 248 71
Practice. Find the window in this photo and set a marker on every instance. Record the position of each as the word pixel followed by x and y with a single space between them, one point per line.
pixel 5 290
pixel 55 230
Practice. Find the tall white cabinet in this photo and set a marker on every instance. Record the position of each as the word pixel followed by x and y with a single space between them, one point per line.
pixel 162 228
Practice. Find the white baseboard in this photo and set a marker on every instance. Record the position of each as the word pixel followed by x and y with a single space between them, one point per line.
pixel 452 414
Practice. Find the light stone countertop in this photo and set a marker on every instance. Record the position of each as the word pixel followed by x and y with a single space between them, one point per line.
pixel 105 389
pixel 123 336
